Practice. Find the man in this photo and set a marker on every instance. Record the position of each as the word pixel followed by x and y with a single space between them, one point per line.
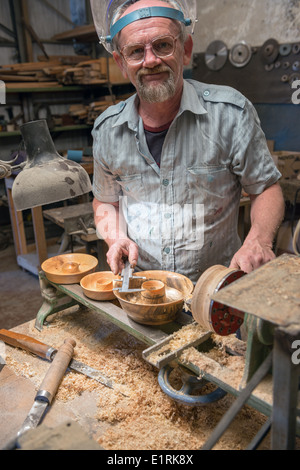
pixel 171 161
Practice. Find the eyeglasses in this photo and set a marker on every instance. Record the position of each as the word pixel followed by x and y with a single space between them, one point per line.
pixel 162 46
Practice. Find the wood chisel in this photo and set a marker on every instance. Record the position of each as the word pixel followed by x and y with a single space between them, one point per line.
pixel 47 352
pixel 47 390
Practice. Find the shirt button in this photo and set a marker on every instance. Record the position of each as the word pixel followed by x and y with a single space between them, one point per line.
pixel 206 93
pixel 167 216
pixel 166 182
pixel 167 250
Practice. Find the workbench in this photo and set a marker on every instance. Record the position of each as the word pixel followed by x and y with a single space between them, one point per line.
pixel 104 413
pixel 110 341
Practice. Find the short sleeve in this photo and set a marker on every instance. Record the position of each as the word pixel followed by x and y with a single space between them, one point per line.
pixel 251 159
pixel 105 186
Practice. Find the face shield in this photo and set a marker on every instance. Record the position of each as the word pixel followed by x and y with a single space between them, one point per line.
pixel 108 24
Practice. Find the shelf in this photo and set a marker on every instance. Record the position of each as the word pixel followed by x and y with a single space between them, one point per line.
pixel 86 33
pixel 62 88
pixel 59 88
pixel 55 129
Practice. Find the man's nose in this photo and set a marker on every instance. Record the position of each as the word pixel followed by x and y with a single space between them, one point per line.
pixel 150 57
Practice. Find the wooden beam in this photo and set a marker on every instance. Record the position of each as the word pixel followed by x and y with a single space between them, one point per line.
pixel 28 38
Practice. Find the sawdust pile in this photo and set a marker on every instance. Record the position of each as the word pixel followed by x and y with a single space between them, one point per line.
pixel 179 339
pixel 146 419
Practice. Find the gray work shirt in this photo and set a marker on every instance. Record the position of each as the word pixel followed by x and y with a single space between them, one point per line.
pixel 183 215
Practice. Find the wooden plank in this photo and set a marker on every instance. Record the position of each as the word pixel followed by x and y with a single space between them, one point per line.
pixel 33 85
pixel 31 65
pixel 28 38
pixel 19 78
pixel 39 234
pixel 58 215
pixel 85 33
pixel 16 221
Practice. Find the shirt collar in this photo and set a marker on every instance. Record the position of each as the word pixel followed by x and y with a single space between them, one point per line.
pixel 189 102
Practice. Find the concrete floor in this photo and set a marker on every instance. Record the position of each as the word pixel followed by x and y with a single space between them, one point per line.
pixel 20 297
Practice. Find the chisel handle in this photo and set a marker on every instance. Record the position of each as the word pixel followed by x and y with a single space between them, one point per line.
pixel 56 371
pixel 26 342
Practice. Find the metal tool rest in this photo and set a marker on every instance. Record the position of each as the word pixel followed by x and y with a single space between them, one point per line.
pixel 270 299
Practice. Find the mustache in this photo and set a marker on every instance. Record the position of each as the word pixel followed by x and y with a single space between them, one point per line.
pixel 152 71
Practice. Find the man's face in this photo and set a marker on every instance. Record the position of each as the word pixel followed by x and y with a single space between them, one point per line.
pixel 155 79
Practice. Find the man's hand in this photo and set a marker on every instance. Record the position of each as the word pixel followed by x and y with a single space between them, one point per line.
pixel 267 211
pixel 111 227
pixel 251 256
pixel 120 250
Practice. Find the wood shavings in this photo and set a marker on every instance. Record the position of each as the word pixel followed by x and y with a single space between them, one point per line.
pixel 185 335
pixel 149 419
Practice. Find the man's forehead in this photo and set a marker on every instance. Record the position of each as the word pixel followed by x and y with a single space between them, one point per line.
pixel 146 3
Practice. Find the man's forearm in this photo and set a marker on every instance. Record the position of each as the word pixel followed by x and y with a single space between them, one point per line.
pixel 267 212
pixel 110 225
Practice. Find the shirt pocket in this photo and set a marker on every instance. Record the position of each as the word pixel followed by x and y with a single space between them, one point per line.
pixel 131 185
pixel 209 185
pixel 211 180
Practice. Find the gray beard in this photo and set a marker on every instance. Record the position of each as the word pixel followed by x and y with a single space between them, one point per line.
pixel 156 93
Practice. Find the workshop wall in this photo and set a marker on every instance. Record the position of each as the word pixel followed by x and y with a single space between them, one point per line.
pixel 253 21
pixel 267 85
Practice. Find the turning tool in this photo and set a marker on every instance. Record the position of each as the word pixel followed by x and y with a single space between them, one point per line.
pixel 47 390
pixel 49 386
pixel 47 352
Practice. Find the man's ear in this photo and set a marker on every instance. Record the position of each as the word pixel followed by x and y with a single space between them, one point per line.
pixel 188 50
pixel 120 62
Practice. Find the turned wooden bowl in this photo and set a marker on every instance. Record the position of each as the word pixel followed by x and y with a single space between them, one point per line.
pixel 99 286
pixel 69 268
pixel 143 308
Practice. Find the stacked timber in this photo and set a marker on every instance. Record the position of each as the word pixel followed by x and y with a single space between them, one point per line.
pixel 61 70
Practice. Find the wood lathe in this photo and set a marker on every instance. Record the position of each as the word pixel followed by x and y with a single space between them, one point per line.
pixel 265 301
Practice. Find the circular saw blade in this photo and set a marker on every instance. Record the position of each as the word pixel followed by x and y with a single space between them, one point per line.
pixel 240 54
pixel 216 55
pixel 270 51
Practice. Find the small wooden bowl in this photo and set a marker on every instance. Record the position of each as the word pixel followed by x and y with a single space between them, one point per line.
pixel 154 292
pixel 99 286
pixel 69 268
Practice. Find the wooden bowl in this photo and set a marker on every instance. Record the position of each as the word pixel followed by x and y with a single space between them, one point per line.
pixel 69 268
pixel 143 311
pixel 99 286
